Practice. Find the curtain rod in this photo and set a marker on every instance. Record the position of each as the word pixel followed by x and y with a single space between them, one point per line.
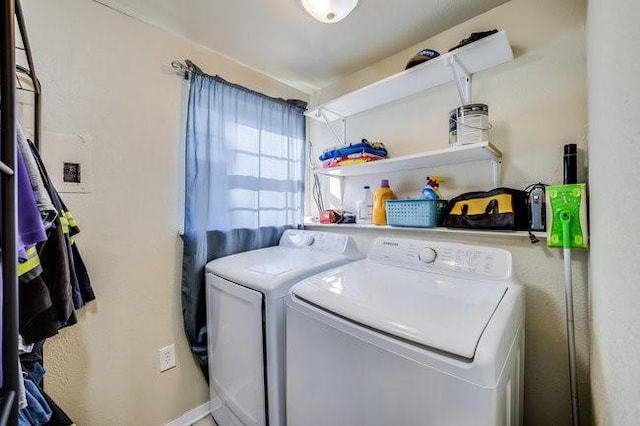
pixel 185 68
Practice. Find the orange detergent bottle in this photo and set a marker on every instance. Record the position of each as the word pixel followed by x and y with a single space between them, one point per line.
pixel 380 197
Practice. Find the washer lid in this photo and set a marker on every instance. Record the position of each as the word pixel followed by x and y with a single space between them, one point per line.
pixel 273 270
pixel 441 312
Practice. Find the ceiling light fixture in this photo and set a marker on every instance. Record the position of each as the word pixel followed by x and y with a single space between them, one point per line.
pixel 329 11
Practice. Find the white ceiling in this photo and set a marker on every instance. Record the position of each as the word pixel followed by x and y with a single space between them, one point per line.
pixel 279 39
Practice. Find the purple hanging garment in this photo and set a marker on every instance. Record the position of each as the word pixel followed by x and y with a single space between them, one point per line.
pixel 30 228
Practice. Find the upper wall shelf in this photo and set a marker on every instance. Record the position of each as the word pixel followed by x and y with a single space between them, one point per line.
pixel 472 58
pixel 442 157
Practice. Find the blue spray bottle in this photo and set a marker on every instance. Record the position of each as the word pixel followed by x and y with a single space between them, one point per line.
pixel 430 190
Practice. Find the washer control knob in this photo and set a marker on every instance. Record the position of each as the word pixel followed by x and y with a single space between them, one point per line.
pixel 427 255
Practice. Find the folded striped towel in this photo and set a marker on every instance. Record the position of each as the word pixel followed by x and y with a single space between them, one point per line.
pixel 375 148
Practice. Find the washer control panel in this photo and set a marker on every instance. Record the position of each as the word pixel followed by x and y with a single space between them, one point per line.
pixel 327 242
pixel 442 256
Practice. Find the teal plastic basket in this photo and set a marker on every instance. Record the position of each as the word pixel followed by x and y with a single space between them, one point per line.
pixel 414 213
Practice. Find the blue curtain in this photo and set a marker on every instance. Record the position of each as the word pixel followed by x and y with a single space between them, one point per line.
pixel 244 183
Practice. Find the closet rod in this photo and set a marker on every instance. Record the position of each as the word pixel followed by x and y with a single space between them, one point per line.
pixel 31 73
pixel 22 70
pixel 9 188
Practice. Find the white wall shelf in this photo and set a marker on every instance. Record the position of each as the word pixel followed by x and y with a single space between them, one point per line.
pixel 442 157
pixel 439 230
pixel 485 53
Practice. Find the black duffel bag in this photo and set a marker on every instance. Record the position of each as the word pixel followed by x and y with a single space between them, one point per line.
pixel 500 208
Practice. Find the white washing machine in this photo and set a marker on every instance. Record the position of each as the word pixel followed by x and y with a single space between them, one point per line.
pixel 245 317
pixel 419 333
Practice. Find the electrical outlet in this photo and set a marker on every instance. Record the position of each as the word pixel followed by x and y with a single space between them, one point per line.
pixel 167 357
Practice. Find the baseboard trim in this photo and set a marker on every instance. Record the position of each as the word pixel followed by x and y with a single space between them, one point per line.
pixel 192 416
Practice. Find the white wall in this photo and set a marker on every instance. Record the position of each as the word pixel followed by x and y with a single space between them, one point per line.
pixel 537 103
pixel 105 76
pixel 614 146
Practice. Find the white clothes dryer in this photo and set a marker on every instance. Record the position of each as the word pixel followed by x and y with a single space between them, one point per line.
pixel 246 321
pixel 419 333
